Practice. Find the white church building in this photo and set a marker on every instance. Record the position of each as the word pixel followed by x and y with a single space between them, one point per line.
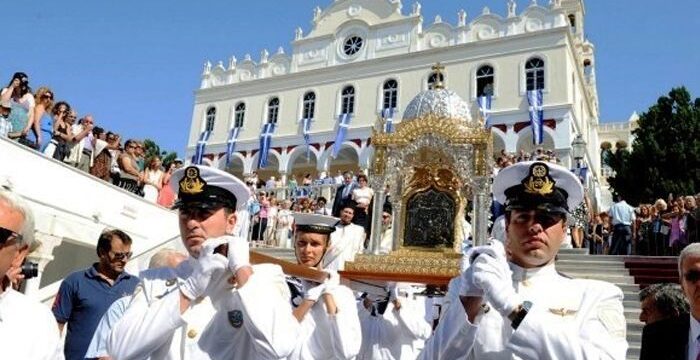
pixel 363 56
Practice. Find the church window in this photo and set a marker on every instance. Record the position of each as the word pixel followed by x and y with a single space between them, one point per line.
pixel 239 115
pixel 587 68
pixel 210 119
pixel 391 89
pixel 352 45
pixel 534 74
pixel 434 78
pixel 572 23
pixel 273 108
pixel 309 105
pixel 484 81
pixel 347 100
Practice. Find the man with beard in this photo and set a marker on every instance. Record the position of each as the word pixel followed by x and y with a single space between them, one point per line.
pixel 519 306
pixel 214 305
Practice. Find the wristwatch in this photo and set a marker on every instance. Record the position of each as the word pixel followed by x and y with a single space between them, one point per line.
pixel 517 316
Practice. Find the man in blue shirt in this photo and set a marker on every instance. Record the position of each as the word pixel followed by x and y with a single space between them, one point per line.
pixel 85 295
pixel 622 216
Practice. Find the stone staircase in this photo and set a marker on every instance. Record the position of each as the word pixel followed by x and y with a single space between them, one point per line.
pixel 577 264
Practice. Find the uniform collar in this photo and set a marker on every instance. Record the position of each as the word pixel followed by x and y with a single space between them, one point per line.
pixel 694 330
pixel 521 274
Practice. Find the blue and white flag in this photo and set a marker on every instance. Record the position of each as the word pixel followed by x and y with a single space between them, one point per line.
pixel 265 140
pixel 534 99
pixel 581 173
pixel 343 124
pixel 231 144
pixel 305 128
pixel 485 108
pixel 201 145
pixel 388 115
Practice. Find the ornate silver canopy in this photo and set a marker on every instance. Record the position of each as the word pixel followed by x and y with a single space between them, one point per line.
pixel 440 103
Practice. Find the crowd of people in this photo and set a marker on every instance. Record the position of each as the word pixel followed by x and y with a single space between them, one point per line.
pixel 272 217
pixel 661 228
pixel 37 120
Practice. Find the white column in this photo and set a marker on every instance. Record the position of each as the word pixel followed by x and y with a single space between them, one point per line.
pixel 42 256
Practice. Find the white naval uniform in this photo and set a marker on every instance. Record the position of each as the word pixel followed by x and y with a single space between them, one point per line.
pixel 253 322
pixel 325 336
pixel 28 329
pixel 570 319
pixel 396 334
pixel 346 242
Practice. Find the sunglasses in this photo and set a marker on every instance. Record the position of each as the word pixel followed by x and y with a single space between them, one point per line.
pixel 692 276
pixel 48 96
pixel 121 255
pixel 544 218
pixel 7 234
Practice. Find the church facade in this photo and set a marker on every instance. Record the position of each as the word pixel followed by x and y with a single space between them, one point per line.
pixel 364 57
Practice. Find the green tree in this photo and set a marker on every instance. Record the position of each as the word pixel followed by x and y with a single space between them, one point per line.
pixel 152 149
pixel 665 153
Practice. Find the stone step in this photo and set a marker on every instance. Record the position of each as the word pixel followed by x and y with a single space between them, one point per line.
pixel 571 270
pixel 592 263
pixel 633 352
pixel 584 258
pixel 612 278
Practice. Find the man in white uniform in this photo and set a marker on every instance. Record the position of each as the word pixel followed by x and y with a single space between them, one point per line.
pixel 330 327
pixel 27 328
pixel 346 241
pixel 394 326
pixel 520 307
pixel 215 305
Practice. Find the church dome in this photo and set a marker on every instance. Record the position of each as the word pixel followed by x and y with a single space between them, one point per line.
pixel 437 102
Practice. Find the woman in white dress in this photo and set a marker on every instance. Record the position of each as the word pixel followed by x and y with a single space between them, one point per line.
pixel 362 195
pixel 327 312
pixel 284 225
pixel 270 233
pixel 153 180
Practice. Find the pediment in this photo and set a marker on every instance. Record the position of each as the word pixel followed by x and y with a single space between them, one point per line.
pixel 371 12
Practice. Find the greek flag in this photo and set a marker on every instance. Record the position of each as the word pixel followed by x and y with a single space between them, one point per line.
pixel 306 127
pixel 534 99
pixel 485 108
pixel 388 115
pixel 265 140
pixel 231 144
pixel 343 124
pixel 201 145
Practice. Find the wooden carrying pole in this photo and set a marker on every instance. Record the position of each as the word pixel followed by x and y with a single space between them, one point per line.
pixel 300 271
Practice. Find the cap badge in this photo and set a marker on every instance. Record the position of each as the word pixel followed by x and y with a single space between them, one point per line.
pixel 192 183
pixel 538 181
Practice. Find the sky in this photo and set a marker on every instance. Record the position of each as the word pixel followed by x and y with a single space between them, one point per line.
pixel 134 65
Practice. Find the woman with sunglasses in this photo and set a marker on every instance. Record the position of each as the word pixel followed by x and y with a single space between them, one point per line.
pixel 19 94
pixel 327 312
pixel 43 103
pixel 60 132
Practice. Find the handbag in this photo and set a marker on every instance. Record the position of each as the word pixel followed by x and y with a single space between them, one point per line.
pixel 26 142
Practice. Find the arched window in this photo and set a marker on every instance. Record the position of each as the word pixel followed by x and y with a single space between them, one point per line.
pixel 433 79
pixel 211 118
pixel 309 105
pixel 273 109
pixel 239 115
pixel 391 90
pixel 534 74
pixel 347 100
pixel 572 23
pixel 484 81
pixel 587 68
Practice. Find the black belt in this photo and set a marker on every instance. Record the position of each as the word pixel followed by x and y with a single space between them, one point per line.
pixel 87 152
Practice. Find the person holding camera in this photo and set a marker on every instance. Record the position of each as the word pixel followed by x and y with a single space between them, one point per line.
pixel 214 305
pixel 27 328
